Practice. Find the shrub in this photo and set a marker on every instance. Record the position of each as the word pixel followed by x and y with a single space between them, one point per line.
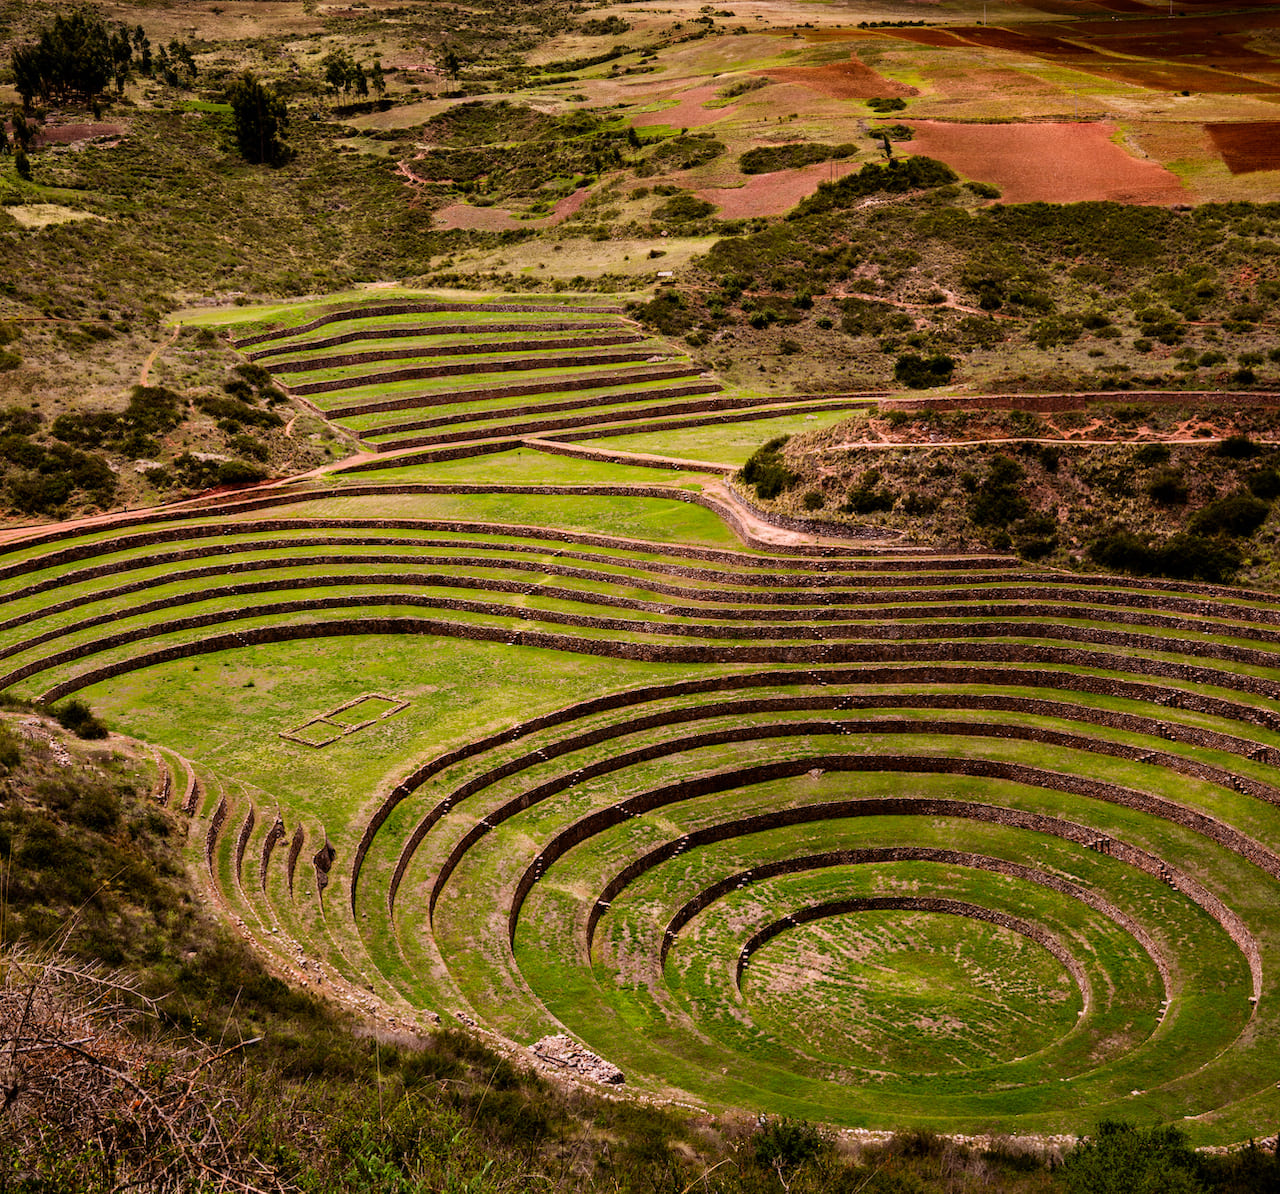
pixel 889 104
pixel 1150 454
pixel 813 500
pixel 1238 447
pixel 765 159
pixel 785 1144
pixel 998 500
pixel 77 717
pixel 1124 1159
pixel 1263 483
pixel 984 190
pixel 683 208
pixel 240 472
pixel 767 471
pixel 923 373
pixel 1238 513
pixel 1168 487
pixel 1184 556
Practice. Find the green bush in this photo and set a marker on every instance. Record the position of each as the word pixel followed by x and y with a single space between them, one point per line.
pixel 1237 514
pixel 909 174
pixel 998 500
pixel 813 500
pixel 1238 447
pixel 923 373
pixel 1169 487
pixel 984 190
pixel 1123 1159
pixel 765 159
pixel 767 471
pixel 1263 483
pixel 683 208
pixel 1185 556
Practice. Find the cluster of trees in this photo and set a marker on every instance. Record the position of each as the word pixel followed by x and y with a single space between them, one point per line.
pixel 260 118
pixel 79 56
pixel 346 75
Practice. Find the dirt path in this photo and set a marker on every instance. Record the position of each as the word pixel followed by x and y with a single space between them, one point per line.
pixel 144 376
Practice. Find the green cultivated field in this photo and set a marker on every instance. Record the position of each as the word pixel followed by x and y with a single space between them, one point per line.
pixel 867 837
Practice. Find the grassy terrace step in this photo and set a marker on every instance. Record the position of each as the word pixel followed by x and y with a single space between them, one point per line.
pixel 426 349
pixel 479 312
pixel 476 368
pixel 607 413
pixel 412 394
pixel 845 834
pixel 472 408
pixel 391 333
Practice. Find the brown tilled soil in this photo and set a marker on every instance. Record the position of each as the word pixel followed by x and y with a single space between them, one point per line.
pixel 497 219
pixel 689 113
pixel 841 80
pixel 1248 146
pixel 772 194
pixel 68 134
pixel 1051 163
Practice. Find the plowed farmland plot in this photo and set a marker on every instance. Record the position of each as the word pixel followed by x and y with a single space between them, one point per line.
pixel 1249 146
pixel 1051 163
pixel 840 831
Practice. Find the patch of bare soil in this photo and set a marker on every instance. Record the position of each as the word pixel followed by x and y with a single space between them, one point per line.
pixel 1248 146
pixel 772 194
pixel 841 80
pixel 691 111
pixel 497 219
pixel 1051 163
pixel 70 134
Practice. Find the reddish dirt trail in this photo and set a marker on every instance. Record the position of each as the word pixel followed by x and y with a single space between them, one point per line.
pixel 144 376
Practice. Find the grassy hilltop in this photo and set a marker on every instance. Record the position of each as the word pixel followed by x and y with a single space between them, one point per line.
pixel 639 598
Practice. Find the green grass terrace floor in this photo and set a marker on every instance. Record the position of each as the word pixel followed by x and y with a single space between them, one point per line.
pixel 399 370
pixel 831 829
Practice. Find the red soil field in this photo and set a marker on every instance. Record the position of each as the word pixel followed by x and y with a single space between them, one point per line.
pixel 689 113
pixel 926 37
pixel 66 134
pixel 496 219
pixel 841 80
pixel 1050 163
pixel 772 194
pixel 1168 56
pixel 1248 146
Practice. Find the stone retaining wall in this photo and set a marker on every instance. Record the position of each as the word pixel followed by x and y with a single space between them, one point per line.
pixel 295 850
pixel 831 641
pixel 746 416
pixel 242 841
pixel 552 448
pixel 216 823
pixel 665 400
pixel 275 835
pixel 1052 403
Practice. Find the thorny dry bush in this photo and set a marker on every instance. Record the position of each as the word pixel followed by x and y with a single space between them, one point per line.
pixel 87 1104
